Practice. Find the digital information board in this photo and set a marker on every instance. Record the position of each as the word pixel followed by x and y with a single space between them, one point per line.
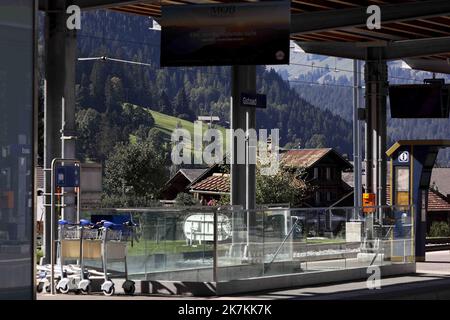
pixel 419 101
pixel 225 34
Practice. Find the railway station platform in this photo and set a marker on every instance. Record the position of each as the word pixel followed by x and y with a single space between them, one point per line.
pixel 430 281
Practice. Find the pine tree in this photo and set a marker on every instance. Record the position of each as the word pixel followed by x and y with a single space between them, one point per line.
pixel 181 104
pixel 164 103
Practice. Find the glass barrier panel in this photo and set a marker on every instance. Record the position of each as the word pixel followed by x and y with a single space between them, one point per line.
pixel 178 244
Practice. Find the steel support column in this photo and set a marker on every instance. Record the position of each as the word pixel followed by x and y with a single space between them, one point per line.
pixel 376 95
pixel 243 175
pixel 375 136
pixel 357 197
pixel 60 58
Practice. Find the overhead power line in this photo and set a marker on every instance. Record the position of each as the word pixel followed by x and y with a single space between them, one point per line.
pixel 104 58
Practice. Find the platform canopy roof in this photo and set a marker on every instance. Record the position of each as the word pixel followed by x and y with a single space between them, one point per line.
pixel 417 31
pixel 421 143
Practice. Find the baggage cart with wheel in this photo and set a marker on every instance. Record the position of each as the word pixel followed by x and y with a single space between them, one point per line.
pixel 114 248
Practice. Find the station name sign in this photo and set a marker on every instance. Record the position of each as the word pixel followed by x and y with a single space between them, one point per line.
pixel 254 33
pixel 253 100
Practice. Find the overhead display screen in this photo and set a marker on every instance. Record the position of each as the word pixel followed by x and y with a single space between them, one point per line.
pixel 419 101
pixel 225 34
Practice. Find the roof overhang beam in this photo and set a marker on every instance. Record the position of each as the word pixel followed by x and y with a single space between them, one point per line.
pixel 355 17
pixel 100 4
pixel 417 48
pixel 438 66
pixel 393 50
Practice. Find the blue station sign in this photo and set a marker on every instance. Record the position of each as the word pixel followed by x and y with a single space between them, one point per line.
pixel 67 176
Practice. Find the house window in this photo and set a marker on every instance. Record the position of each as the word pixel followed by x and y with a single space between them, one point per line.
pixel 316 173
pixel 328 173
pixel 329 196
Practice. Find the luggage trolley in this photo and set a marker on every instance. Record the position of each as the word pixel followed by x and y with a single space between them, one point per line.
pixel 71 245
pixel 105 241
pixel 114 248
pixel 65 173
pixel 70 234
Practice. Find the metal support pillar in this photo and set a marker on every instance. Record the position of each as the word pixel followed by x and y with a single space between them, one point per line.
pixel 250 165
pixel 243 175
pixel 375 136
pixel 376 94
pixel 357 197
pixel 60 59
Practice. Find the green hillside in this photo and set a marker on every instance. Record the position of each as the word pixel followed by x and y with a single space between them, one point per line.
pixel 167 124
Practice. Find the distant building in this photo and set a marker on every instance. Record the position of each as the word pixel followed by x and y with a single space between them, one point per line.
pixel 324 168
pixel 438 208
pixel 439 196
pixel 209 189
pixel 440 180
pixel 180 182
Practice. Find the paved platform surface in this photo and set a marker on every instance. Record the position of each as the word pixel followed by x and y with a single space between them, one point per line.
pixel 432 281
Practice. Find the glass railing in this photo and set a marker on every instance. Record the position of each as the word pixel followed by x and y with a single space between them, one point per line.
pixel 168 244
pixel 222 244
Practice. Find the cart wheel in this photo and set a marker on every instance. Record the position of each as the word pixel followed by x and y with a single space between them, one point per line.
pixel 63 290
pixel 40 287
pixel 130 289
pixel 48 289
pixel 86 291
pixel 109 292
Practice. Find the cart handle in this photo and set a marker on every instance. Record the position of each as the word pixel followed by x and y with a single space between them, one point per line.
pixel 108 224
pixel 84 222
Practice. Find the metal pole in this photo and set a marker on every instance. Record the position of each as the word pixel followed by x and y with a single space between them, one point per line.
pixel 356 157
pixel 68 127
pixel 237 122
pixel 376 92
pixel 215 249
pixel 53 220
pixel 242 118
pixel 368 134
pixel 79 199
pixel 52 113
pixel 52 230
pixel 359 133
pixel 60 59
pixel 382 134
pixel 250 166
pixel 63 108
pixel 370 75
